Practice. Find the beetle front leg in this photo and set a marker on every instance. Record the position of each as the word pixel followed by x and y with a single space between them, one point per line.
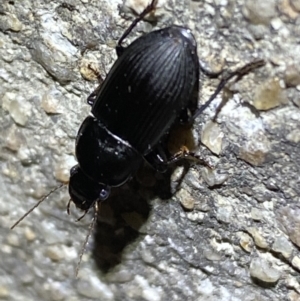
pixel 92 97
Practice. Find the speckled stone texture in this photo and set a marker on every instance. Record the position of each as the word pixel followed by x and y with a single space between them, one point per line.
pixel 231 233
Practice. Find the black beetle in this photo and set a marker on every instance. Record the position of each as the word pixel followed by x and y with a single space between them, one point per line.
pixel 152 86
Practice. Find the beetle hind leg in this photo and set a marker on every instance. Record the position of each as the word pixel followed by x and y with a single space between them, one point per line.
pixel 160 160
pixel 185 153
pixel 239 73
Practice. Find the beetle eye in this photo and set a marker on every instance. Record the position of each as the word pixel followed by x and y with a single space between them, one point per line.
pixel 104 193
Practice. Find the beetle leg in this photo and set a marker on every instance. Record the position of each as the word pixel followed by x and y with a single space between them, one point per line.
pixel 92 97
pixel 82 216
pixel 68 206
pixel 184 153
pixel 158 159
pixel 96 72
pixel 146 11
pixel 239 73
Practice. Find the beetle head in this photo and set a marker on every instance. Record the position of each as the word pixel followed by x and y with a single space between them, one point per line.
pixel 83 191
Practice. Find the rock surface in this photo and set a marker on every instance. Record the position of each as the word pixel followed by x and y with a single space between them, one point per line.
pixel 238 238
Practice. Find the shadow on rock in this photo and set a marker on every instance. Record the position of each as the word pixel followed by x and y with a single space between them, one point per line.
pixel 124 213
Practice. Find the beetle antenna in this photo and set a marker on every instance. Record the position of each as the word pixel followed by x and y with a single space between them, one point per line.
pixel 91 228
pixel 239 73
pixel 36 205
pixel 140 17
